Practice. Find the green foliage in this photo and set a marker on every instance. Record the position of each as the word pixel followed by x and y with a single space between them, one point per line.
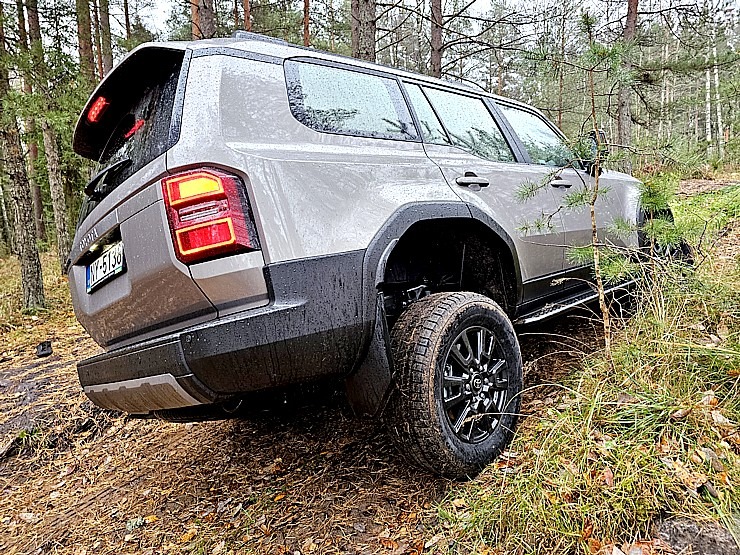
pixel 624 445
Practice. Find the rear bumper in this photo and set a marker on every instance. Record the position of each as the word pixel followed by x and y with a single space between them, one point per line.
pixel 314 328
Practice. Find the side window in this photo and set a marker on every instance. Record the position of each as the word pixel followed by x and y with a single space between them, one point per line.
pixel 431 130
pixel 336 100
pixel 470 125
pixel 542 143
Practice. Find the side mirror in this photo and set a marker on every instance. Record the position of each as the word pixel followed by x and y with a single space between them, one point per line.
pixel 598 148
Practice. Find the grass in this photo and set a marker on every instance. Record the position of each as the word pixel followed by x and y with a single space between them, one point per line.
pixel 653 437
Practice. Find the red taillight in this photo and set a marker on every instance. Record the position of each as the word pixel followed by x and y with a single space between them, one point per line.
pixel 97 109
pixel 208 214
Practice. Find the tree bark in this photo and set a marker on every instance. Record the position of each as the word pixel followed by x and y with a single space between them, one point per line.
pixel 25 230
pixel 436 39
pixel 195 20
pixel 306 31
pixel 127 19
pixel 363 26
pixel 105 36
pixel 51 146
pixel 717 104
pixel 84 40
pixel 624 97
pixel 247 15
pixel 30 125
pixel 207 19
pixel 64 244
pixel 708 109
pixel 98 40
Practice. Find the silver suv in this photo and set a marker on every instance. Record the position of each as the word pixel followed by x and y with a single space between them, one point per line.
pixel 268 215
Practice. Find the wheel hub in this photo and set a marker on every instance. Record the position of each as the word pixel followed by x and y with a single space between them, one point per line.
pixel 474 384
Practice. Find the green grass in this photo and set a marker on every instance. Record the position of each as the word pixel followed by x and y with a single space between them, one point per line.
pixel 626 444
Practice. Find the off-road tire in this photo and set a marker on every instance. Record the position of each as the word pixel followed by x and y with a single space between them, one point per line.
pixel 421 341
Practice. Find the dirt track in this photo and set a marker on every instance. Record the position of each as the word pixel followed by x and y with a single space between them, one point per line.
pixel 314 481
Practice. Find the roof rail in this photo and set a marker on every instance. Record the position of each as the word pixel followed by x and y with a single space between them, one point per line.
pixel 248 35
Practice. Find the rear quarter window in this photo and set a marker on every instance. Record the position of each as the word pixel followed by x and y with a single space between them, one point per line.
pixel 337 100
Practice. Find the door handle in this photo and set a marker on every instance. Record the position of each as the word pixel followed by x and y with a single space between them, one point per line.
pixel 470 179
pixel 560 182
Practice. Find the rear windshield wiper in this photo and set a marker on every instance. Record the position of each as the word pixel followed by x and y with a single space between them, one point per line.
pixel 91 189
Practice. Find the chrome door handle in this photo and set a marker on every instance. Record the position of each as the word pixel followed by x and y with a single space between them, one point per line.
pixel 470 178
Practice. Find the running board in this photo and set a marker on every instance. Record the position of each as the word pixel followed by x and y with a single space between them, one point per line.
pixel 553 309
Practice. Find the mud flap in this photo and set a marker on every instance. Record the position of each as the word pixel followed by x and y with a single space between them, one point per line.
pixel 368 387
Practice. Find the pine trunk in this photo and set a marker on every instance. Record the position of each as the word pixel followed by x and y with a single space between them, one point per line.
pixel 624 97
pixel 195 20
pixel 306 23
pixel 105 36
pixel 127 20
pixel 207 19
pixel 84 40
pixel 51 146
pixel 98 40
pixel 25 230
pixel 363 26
pixel 247 15
pixel 436 39
pixel 30 126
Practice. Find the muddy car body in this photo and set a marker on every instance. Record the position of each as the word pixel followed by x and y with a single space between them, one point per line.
pixel 269 215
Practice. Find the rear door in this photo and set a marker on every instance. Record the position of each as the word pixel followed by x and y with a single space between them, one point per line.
pixel 481 165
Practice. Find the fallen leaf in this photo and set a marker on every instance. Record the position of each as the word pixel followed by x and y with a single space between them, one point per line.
pixel 30 518
pixel 388 543
pixel 680 414
pixel 189 535
pixel 459 503
pixel 608 477
pixel 432 542
pixel 594 545
pixel 721 420
pixel 279 496
pixel 151 518
pixel 709 398
pixel 219 548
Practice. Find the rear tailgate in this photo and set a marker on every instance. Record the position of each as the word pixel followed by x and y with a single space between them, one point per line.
pixel 126 283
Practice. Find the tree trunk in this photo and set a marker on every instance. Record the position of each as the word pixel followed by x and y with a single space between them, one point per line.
pixel 708 109
pixel 717 104
pixel 363 27
pixel 624 97
pixel 64 245
pixel 107 46
pixel 98 40
pixel 436 39
pixel 84 40
pixel 7 233
pixel 25 230
pixel 30 125
pixel 127 19
pixel 247 15
pixel 207 19
pixel 51 147
pixel 195 20
pixel 306 30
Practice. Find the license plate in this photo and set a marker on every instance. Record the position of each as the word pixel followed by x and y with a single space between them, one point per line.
pixel 106 266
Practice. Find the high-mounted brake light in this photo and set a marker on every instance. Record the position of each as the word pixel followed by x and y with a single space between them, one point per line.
pixel 97 109
pixel 209 215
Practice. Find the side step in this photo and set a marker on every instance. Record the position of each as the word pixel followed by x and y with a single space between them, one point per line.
pixel 553 309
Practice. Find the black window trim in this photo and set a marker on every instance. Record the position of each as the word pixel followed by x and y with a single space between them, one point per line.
pixel 503 125
pixel 290 78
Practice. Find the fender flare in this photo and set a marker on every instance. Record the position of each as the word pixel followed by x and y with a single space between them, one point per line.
pixel 369 382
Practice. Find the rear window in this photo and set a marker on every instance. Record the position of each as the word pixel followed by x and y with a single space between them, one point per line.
pixel 129 119
pixel 337 100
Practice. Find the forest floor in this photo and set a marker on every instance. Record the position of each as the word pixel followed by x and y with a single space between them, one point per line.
pixel 78 480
